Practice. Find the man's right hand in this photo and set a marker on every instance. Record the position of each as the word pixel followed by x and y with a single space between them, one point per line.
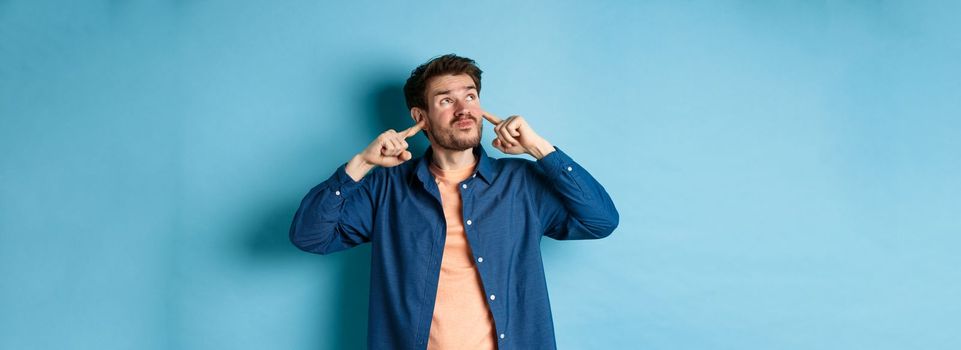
pixel 387 150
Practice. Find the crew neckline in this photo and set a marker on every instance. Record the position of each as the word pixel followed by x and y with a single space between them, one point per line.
pixel 457 174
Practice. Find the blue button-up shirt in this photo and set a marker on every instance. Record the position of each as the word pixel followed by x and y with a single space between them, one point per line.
pixel 508 205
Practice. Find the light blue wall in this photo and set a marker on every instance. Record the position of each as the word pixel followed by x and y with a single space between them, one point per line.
pixel 787 172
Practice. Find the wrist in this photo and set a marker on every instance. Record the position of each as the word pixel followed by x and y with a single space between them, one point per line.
pixel 357 167
pixel 541 149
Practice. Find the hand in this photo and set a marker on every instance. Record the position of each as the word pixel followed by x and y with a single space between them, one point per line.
pixel 387 150
pixel 515 136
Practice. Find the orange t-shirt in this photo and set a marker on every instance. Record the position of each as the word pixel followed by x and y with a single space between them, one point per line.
pixel 461 319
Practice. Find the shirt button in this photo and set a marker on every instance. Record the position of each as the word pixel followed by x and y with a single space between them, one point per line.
pixel 492 296
pixel 464 185
pixel 337 193
pixel 468 222
pixel 502 335
pixel 570 168
pixel 480 259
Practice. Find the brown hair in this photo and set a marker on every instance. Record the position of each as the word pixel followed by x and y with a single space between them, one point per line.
pixel 414 89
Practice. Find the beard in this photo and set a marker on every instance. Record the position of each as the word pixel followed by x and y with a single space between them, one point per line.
pixel 453 139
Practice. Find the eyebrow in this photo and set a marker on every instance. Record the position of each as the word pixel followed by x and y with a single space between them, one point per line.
pixel 445 92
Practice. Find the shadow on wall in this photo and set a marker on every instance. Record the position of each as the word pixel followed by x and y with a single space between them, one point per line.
pixel 348 311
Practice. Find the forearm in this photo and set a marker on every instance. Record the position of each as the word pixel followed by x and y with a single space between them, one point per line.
pixel 314 227
pixel 333 216
pixel 584 202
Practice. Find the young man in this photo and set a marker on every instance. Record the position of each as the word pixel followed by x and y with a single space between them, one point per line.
pixel 455 234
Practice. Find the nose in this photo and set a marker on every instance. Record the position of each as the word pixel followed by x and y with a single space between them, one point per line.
pixel 460 108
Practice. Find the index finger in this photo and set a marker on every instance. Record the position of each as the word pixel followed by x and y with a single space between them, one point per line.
pixel 411 131
pixel 490 117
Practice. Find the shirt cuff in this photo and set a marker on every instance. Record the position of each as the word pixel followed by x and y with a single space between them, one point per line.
pixel 342 182
pixel 556 163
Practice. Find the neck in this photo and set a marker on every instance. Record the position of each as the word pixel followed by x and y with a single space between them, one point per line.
pixel 447 159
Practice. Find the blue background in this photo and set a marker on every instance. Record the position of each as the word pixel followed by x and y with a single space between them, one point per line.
pixel 787 172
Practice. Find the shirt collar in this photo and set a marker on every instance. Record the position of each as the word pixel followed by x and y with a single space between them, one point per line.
pixel 484 166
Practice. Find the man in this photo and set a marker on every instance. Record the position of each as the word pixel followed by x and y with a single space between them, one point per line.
pixel 455 234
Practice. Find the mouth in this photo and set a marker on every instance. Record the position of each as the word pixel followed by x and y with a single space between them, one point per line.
pixel 464 123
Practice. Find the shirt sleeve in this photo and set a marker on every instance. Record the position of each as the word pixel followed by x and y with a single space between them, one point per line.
pixel 335 215
pixel 570 203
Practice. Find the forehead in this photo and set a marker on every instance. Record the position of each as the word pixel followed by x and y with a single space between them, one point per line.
pixel 448 83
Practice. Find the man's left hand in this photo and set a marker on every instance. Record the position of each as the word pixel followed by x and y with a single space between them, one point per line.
pixel 515 136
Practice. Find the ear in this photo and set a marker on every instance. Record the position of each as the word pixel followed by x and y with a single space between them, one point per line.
pixel 418 114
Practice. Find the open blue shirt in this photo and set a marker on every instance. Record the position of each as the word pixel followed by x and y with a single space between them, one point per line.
pixel 508 205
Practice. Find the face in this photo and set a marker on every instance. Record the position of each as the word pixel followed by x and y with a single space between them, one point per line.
pixel 453 113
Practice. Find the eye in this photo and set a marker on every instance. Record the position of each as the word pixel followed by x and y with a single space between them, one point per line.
pixel 471 97
pixel 446 101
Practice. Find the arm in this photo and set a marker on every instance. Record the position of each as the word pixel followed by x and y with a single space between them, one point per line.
pixel 571 204
pixel 338 213
pixel 335 215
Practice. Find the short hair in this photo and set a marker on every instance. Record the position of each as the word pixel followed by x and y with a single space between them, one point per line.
pixel 415 89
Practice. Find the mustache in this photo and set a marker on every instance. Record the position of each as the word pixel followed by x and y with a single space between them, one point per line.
pixel 473 118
